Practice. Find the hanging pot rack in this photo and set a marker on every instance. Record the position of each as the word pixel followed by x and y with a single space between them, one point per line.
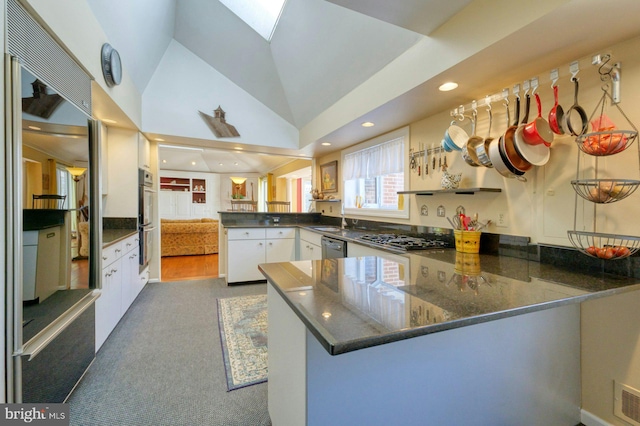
pixel 608 72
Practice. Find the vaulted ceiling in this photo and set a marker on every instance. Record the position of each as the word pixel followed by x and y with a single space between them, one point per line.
pixel 322 51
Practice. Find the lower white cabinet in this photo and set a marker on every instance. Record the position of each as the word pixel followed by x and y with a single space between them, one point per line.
pixel 121 284
pixel 248 247
pixel 310 248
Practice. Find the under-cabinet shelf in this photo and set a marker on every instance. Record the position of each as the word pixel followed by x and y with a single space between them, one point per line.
pixel 465 191
pixel 333 200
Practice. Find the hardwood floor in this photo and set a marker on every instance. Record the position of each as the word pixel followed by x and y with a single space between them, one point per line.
pixel 178 268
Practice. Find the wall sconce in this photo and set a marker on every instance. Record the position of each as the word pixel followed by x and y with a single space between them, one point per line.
pixel 76 172
pixel 238 181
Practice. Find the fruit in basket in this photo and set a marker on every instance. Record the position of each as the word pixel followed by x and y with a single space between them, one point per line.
pixel 621 251
pixel 615 190
pixel 604 252
pixel 598 195
pixel 608 252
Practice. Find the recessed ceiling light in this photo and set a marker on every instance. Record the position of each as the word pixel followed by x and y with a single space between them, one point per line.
pixel 326 315
pixel 159 139
pixel 34 128
pixel 219 164
pixel 193 163
pixel 187 148
pixel 106 120
pixel 235 164
pixel 326 143
pixel 164 161
pixel 368 124
pixel 450 85
pixel 239 148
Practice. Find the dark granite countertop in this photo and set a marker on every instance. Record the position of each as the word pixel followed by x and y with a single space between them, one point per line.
pixel 355 303
pixel 112 236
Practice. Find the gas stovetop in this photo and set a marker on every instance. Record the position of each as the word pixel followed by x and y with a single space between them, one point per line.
pixel 403 242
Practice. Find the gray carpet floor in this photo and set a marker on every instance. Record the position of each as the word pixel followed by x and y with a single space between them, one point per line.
pixel 162 364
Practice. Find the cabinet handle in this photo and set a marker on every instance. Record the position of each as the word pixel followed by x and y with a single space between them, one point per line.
pixel 118 250
pixel 113 271
pixel 107 274
pixel 104 258
pixel 131 257
pixel 260 244
pixel 128 244
pixel 246 233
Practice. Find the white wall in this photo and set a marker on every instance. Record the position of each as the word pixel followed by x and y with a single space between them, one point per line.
pixel 543 207
pixel 610 349
pixel 75 26
pixel 171 105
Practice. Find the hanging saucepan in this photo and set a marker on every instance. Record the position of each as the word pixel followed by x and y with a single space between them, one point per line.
pixel 556 115
pixel 469 150
pixel 507 142
pixel 455 137
pixel 567 124
pixel 498 158
pixel 538 131
pixel 482 150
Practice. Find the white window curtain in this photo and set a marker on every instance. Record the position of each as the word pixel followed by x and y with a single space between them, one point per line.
pixel 375 161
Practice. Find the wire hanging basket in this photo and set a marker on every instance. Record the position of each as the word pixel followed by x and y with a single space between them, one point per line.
pixel 603 191
pixel 606 139
pixel 604 246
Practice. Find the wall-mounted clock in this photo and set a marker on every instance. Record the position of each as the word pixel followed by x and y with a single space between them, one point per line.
pixel 111 65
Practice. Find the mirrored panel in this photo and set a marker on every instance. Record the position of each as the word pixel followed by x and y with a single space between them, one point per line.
pixel 55 204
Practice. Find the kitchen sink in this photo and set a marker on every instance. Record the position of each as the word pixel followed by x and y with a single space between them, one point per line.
pixel 327 228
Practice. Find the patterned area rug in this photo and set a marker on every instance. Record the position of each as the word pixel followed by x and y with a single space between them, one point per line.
pixel 243 334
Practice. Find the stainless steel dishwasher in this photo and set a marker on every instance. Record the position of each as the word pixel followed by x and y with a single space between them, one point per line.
pixel 333 248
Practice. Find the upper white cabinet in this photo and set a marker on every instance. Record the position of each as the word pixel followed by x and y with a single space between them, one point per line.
pixel 144 153
pixel 122 173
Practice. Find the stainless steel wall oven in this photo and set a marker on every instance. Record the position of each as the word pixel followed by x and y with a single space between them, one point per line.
pixel 145 216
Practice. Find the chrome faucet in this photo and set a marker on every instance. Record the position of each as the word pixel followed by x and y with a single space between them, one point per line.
pixel 344 221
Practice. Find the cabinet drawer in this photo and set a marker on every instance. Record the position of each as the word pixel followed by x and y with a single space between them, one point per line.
pixel 281 233
pixel 311 237
pixel 246 234
pixel 111 253
pixel 130 243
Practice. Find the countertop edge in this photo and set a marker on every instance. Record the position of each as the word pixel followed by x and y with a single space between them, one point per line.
pixel 130 232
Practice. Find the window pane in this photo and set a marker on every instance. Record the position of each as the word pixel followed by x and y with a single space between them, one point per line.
pixel 376 193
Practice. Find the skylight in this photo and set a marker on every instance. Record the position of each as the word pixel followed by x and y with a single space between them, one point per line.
pixel 261 15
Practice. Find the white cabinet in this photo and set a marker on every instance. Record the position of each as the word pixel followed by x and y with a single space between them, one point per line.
pixel 130 276
pixel 144 153
pixel 183 196
pixel 280 245
pixel 121 284
pixel 175 204
pixel 248 247
pixel 310 247
pixel 108 304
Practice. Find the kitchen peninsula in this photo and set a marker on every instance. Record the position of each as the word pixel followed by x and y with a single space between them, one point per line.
pixel 437 338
